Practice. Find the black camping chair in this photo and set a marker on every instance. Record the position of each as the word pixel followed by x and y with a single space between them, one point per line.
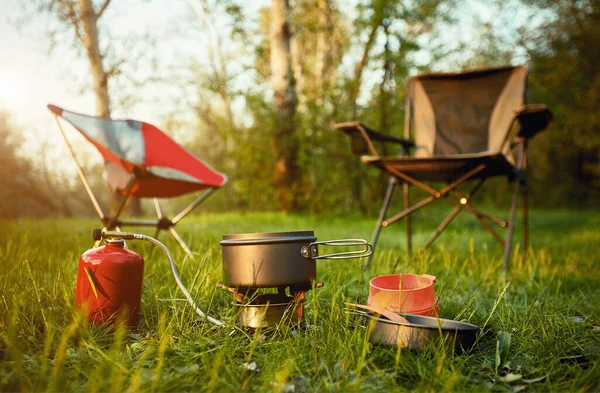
pixel 462 125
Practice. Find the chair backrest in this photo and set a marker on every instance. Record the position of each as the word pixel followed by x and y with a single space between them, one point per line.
pixel 129 148
pixel 465 113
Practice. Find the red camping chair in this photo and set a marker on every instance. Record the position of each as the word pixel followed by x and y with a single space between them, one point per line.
pixel 141 162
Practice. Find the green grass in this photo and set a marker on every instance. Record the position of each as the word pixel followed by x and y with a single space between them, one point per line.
pixel 550 312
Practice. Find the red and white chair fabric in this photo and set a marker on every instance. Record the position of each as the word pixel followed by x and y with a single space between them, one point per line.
pixel 141 162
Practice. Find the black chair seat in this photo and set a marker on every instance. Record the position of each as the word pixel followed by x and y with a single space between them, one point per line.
pixel 444 169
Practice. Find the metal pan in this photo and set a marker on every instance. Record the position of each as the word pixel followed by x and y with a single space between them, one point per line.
pixel 459 336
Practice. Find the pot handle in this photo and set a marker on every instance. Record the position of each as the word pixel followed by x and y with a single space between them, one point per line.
pixel 312 250
pixel 429 276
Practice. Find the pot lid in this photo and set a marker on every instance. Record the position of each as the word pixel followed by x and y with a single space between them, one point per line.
pixel 268 238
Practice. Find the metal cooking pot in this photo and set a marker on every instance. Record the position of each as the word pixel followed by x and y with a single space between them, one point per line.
pixel 459 336
pixel 262 260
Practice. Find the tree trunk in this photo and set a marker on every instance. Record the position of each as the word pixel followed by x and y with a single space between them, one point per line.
pixel 355 167
pixel 92 46
pixel 286 172
pixel 91 43
pixel 379 188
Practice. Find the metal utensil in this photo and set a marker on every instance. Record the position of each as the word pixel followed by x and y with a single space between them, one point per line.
pixel 381 311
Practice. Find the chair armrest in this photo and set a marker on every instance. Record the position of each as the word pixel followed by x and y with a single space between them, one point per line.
pixel 358 130
pixel 534 118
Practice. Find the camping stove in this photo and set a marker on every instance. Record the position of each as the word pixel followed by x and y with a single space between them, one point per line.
pixel 257 308
pixel 269 273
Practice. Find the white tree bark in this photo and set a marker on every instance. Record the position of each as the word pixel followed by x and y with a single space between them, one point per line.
pixel 89 39
pixel 281 64
pixel 286 175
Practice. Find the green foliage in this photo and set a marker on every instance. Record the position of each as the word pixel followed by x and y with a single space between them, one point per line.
pixel 550 311
pixel 502 349
pixel 328 91
pixel 566 76
pixel 558 42
pixel 351 62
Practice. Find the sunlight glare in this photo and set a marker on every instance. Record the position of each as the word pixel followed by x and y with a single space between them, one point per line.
pixel 13 93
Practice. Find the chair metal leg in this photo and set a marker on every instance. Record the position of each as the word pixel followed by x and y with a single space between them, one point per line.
pixel 464 200
pixel 128 190
pixel 187 210
pixel 525 202
pixel 442 195
pixel 406 189
pixel 159 211
pixel 460 203
pixel 480 218
pixel 160 215
pixel 409 211
pixel 519 181
pixel 441 228
pixel 386 201
pixel 525 222
pixel 511 227
pixel 80 172
pixel 181 242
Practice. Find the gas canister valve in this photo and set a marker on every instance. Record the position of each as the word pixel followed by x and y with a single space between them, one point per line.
pixel 100 234
pixel 97 234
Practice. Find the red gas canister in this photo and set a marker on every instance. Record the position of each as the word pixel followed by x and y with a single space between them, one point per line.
pixel 110 280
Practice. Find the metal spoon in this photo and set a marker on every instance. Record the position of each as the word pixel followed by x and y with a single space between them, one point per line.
pixel 382 311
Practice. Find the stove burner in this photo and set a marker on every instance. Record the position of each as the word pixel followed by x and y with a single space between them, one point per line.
pixel 257 309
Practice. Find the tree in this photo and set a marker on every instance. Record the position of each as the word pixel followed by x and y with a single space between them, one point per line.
pixel 287 177
pixel 228 135
pixel 323 42
pixel 388 35
pixel 564 52
pixel 559 42
pixel 79 19
pixel 90 41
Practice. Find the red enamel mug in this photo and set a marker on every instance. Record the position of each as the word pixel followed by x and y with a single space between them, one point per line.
pixel 405 293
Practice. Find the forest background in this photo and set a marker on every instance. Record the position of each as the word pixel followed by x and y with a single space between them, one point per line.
pixel 258 103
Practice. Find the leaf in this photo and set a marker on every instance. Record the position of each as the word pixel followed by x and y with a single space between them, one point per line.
pixel 535 380
pixel 188 369
pixel 502 348
pixel 519 363
pixel 575 359
pixel 91 280
pixel 510 377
